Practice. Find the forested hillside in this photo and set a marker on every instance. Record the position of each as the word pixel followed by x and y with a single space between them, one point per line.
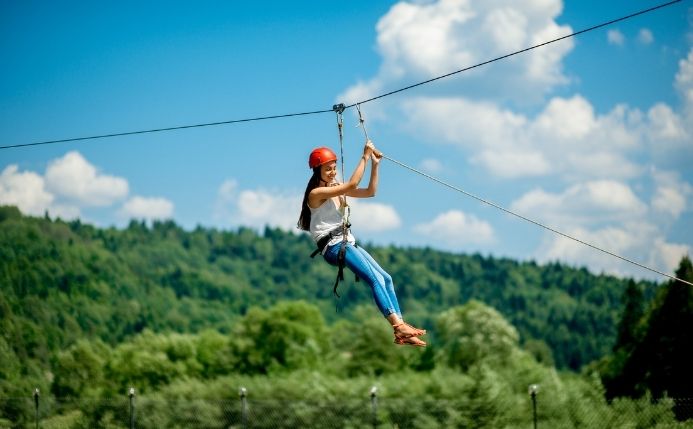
pixel 86 312
pixel 63 281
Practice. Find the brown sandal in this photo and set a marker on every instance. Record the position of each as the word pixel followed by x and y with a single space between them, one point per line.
pixel 417 332
pixel 409 341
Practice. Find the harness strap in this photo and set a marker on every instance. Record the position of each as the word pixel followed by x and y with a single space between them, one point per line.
pixel 340 266
pixel 341 255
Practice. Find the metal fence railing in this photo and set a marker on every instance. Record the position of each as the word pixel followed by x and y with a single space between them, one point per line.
pixel 371 411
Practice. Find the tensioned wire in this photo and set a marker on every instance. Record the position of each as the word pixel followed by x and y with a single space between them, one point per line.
pixel 492 204
pixel 261 118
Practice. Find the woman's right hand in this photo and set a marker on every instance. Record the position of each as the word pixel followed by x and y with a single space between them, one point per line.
pixel 368 149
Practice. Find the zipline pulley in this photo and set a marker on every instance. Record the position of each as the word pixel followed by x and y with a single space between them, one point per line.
pixel 339 108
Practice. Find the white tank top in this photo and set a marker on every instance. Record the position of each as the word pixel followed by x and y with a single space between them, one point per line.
pixel 325 219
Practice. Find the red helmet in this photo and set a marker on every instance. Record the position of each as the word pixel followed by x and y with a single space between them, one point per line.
pixel 320 156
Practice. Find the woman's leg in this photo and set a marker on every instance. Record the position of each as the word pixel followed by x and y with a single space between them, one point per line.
pixel 389 285
pixel 362 267
pixel 401 328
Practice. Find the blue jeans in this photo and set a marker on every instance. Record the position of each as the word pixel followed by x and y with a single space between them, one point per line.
pixel 364 266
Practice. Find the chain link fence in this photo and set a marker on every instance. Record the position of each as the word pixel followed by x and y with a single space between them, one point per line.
pixel 372 411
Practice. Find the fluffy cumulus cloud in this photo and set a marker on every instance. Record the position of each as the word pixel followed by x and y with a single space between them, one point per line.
pixel 74 178
pixel 645 36
pixel 25 190
pixel 256 207
pixel 373 217
pixel 280 208
pixel 147 208
pixel 424 39
pixel 671 194
pixel 665 124
pixel 609 215
pixel 615 37
pixel 457 229
pixel 431 165
pixel 261 207
pixel 582 204
pixel 72 184
pixel 684 83
pixel 566 138
pixel 641 242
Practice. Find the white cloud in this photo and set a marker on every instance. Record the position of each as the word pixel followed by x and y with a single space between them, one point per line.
pixel 508 163
pixel 431 165
pixel 566 119
pixel 147 208
pixel 671 194
pixel 609 215
pixel 26 190
pixel 586 203
pixel 225 195
pixel 615 37
pixel 70 184
pixel 256 208
pixel 72 177
pixel 425 39
pixel 373 217
pixel 667 255
pixel 645 36
pixel 638 241
pixel 566 138
pixel 665 124
pixel 684 82
pixel 456 228
pixel 261 207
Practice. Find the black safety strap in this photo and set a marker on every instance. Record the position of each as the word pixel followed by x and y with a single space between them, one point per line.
pixel 341 255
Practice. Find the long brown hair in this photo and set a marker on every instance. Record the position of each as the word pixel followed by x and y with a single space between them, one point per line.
pixel 304 219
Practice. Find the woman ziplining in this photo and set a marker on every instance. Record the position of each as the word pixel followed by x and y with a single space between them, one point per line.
pixel 324 213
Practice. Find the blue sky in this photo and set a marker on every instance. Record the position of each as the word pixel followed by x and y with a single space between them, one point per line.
pixel 591 135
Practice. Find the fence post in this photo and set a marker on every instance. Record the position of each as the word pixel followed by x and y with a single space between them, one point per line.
pixel 36 403
pixel 533 390
pixel 374 405
pixel 131 394
pixel 242 392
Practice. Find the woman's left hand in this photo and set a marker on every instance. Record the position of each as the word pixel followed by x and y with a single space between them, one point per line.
pixel 376 157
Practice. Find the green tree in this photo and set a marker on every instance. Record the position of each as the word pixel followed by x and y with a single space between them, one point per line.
pixel 620 374
pixel 369 346
pixel 633 312
pixel 152 360
pixel 79 369
pixel 474 332
pixel 666 346
pixel 288 336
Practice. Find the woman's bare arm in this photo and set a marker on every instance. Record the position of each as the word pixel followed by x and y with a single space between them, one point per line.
pixel 372 188
pixel 318 195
